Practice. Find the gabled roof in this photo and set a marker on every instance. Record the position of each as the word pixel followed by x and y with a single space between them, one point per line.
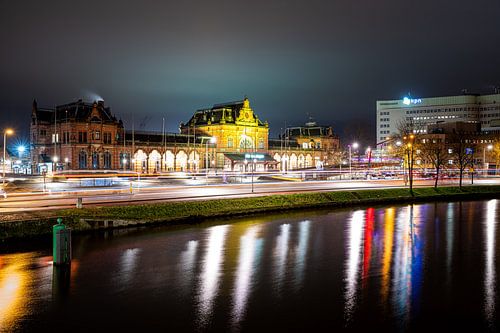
pixel 76 111
pixel 227 113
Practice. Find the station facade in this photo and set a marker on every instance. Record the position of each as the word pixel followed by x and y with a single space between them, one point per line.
pixel 228 136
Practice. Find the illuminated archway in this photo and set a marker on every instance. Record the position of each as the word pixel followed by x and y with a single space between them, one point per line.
pixel 293 161
pixel 139 161
pixel 169 160
pixel 277 158
pixel 194 160
pixel 181 161
pixel 309 161
pixel 154 162
pixel 301 161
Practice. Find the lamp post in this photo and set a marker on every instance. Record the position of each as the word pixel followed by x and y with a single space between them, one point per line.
pixel 490 147
pixel 5 133
pixel 355 146
pixel 212 140
pixel 246 163
pixel 253 167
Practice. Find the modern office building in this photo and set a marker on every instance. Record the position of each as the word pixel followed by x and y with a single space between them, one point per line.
pixel 421 112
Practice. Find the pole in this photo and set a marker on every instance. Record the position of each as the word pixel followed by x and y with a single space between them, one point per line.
pixel 484 162
pixel 350 163
pixel 4 139
pixel 206 161
pixel 253 167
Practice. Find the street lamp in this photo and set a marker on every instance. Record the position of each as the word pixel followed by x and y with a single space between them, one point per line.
pixel 490 147
pixel 254 161
pixel 5 133
pixel 212 141
pixel 355 146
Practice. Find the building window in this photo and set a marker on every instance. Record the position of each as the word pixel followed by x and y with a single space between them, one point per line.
pixel 97 135
pixel 107 160
pixel 66 137
pixel 95 160
pixel 318 145
pixel 82 137
pixel 82 160
pixel 450 151
pixel 43 132
pixel 246 142
pixel 261 143
pixel 107 138
pixel 230 142
pixel 305 145
pixel 450 162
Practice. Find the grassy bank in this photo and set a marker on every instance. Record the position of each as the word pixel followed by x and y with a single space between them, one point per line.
pixel 196 211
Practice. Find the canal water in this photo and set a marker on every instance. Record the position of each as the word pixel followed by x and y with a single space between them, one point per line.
pixel 412 267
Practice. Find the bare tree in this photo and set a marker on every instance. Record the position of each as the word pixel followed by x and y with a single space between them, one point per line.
pixel 408 135
pixel 463 147
pixel 433 150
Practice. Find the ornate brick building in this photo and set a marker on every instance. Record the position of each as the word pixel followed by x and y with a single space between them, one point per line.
pixel 87 136
pixel 77 135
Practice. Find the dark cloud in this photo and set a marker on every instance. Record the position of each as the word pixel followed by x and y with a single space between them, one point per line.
pixel 330 59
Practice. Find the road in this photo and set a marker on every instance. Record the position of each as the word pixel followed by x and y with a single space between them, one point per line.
pixel 26 202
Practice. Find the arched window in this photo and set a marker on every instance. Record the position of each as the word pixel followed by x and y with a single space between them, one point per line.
pixel 246 142
pixel 82 160
pixel 95 160
pixel 107 160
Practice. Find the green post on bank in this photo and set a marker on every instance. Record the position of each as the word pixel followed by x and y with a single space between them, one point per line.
pixel 61 243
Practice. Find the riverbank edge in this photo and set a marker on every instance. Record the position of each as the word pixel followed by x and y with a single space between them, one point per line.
pixel 194 212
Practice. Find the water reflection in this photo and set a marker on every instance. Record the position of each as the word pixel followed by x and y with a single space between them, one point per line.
pixel 360 270
pixel 354 239
pixel 128 264
pixel 281 254
pixel 490 274
pixel 14 281
pixel 187 264
pixel 301 252
pixel 387 256
pixel 209 278
pixel 248 263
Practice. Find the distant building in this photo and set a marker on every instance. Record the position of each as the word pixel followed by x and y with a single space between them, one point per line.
pixel 77 135
pixel 479 109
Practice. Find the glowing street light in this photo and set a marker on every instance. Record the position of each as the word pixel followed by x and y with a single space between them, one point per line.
pixel 8 131
pixel 489 147
pixel 355 145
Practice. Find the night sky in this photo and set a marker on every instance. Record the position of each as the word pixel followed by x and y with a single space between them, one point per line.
pixel 330 59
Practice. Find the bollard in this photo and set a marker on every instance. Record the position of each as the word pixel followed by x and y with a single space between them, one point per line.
pixel 79 202
pixel 61 243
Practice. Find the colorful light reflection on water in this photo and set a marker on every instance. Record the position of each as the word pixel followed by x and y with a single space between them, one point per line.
pixel 426 266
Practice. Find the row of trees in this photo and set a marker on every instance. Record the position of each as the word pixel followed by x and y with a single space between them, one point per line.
pixel 437 150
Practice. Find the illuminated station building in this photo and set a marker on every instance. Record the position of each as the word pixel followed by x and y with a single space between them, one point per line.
pixel 228 136
pixel 422 112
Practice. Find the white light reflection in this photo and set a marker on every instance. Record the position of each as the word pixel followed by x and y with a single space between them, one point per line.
pixel 489 278
pixel 281 253
pixel 301 251
pixel 450 224
pixel 355 238
pixel 128 262
pixel 187 261
pixel 250 249
pixel 209 278
pixel 402 264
